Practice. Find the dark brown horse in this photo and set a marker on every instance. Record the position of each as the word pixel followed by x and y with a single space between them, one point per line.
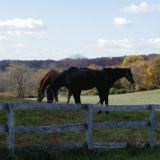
pixel 77 80
pixel 47 80
pixel 115 74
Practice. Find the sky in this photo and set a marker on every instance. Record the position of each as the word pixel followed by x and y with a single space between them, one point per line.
pixel 59 29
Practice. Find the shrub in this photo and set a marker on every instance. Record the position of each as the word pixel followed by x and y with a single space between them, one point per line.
pixel 151 87
pixel 112 90
pixel 140 88
pixel 122 91
pixel 118 91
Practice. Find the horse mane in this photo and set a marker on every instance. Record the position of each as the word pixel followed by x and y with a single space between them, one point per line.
pixel 51 71
pixel 111 71
pixel 108 69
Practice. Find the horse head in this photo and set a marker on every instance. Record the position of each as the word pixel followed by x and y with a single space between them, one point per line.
pixel 50 94
pixel 40 95
pixel 129 76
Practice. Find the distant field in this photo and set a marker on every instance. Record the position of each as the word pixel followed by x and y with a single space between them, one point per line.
pixel 146 97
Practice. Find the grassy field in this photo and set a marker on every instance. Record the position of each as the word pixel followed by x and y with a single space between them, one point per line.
pixel 40 118
pixel 146 97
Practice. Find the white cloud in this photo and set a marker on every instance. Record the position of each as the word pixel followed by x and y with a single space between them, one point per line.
pixel 22 24
pixel 17 51
pixel 141 8
pixel 4 39
pixel 119 21
pixel 123 47
pixel 18 45
pixel 45 50
pixel 128 43
pixel 39 35
pixel 154 42
pixel 125 43
pixel 34 54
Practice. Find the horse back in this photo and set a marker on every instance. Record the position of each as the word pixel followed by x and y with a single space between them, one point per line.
pixel 85 78
pixel 49 78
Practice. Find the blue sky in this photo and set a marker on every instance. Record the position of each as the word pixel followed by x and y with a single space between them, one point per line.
pixel 58 29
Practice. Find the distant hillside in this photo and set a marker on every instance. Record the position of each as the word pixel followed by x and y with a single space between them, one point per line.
pixel 68 62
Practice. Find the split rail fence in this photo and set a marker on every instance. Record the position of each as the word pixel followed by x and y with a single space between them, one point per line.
pixel 88 126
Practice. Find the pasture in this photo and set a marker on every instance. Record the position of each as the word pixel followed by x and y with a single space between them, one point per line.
pixel 145 97
pixel 35 118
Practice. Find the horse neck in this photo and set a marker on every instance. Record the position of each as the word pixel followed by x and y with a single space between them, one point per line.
pixel 117 74
pixel 46 81
pixel 58 83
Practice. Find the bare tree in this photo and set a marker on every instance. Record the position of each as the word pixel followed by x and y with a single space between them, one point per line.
pixel 18 77
pixel 2 82
pixel 79 61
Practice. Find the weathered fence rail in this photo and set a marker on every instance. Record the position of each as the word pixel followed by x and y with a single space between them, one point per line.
pixel 11 129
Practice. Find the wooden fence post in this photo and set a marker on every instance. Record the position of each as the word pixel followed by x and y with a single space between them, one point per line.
pixel 152 126
pixel 10 129
pixel 89 121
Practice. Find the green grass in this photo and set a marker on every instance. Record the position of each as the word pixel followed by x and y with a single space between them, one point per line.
pixel 4 99
pixel 145 97
pixel 47 118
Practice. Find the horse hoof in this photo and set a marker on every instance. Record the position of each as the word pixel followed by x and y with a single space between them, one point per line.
pixel 107 112
pixel 99 112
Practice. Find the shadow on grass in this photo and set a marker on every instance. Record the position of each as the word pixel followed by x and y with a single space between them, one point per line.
pixel 85 154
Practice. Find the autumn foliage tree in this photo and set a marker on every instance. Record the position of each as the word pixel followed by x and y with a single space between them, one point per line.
pixel 133 59
pixel 156 69
pixel 96 67
pixel 146 73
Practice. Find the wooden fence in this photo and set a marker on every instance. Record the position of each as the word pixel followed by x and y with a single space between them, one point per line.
pixel 11 129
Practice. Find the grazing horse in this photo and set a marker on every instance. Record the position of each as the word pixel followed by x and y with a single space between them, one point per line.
pixel 77 80
pixel 46 80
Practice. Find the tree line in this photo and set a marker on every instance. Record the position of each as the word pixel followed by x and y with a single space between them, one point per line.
pixel 76 60
pixel 21 78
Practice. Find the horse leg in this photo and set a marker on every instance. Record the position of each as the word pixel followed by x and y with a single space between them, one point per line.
pixel 76 95
pixel 101 101
pixel 69 95
pixel 101 96
pixel 106 100
pixel 56 97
